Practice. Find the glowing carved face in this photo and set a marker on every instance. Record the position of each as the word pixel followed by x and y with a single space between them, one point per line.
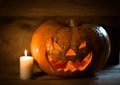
pixel 68 60
pixel 66 49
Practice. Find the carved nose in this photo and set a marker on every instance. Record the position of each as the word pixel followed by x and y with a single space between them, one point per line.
pixel 70 52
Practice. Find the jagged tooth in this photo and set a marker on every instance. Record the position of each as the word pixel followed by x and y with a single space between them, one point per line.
pixel 71 70
pixel 60 69
pixel 66 69
pixel 71 66
pixel 74 70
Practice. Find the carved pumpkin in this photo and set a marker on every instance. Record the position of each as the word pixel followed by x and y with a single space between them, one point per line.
pixel 66 50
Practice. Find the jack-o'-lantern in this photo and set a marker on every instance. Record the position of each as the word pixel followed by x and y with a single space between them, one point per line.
pixel 63 49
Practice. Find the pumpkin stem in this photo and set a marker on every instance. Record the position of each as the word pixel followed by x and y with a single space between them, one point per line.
pixel 72 23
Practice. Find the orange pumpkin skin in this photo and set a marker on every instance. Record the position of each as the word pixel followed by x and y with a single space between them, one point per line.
pixel 70 51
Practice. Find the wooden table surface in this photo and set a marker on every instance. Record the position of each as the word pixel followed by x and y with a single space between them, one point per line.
pixel 9 75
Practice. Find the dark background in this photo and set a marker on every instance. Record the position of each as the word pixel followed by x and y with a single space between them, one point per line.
pixel 20 18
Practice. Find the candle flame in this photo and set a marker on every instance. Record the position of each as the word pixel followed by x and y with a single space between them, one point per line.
pixel 25 52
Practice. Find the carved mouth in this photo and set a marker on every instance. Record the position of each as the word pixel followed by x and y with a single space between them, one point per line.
pixel 70 65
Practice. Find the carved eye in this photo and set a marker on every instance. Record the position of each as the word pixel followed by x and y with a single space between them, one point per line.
pixel 82 45
pixel 70 52
pixel 55 45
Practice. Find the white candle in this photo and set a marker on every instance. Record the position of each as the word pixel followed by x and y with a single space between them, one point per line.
pixel 26 66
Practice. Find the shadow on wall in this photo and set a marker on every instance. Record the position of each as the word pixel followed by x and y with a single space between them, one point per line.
pixel 16 33
pixel 15 37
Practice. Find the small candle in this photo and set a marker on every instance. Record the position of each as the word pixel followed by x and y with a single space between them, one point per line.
pixel 26 66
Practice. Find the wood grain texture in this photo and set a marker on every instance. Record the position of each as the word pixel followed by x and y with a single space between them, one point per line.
pixel 59 8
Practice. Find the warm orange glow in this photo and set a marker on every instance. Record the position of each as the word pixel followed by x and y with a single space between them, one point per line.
pixel 85 62
pixel 56 46
pixel 70 52
pixel 71 66
pixel 82 45
pixel 25 52
pixel 50 59
pixel 49 45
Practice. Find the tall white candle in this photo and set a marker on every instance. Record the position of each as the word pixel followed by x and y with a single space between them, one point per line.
pixel 26 66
